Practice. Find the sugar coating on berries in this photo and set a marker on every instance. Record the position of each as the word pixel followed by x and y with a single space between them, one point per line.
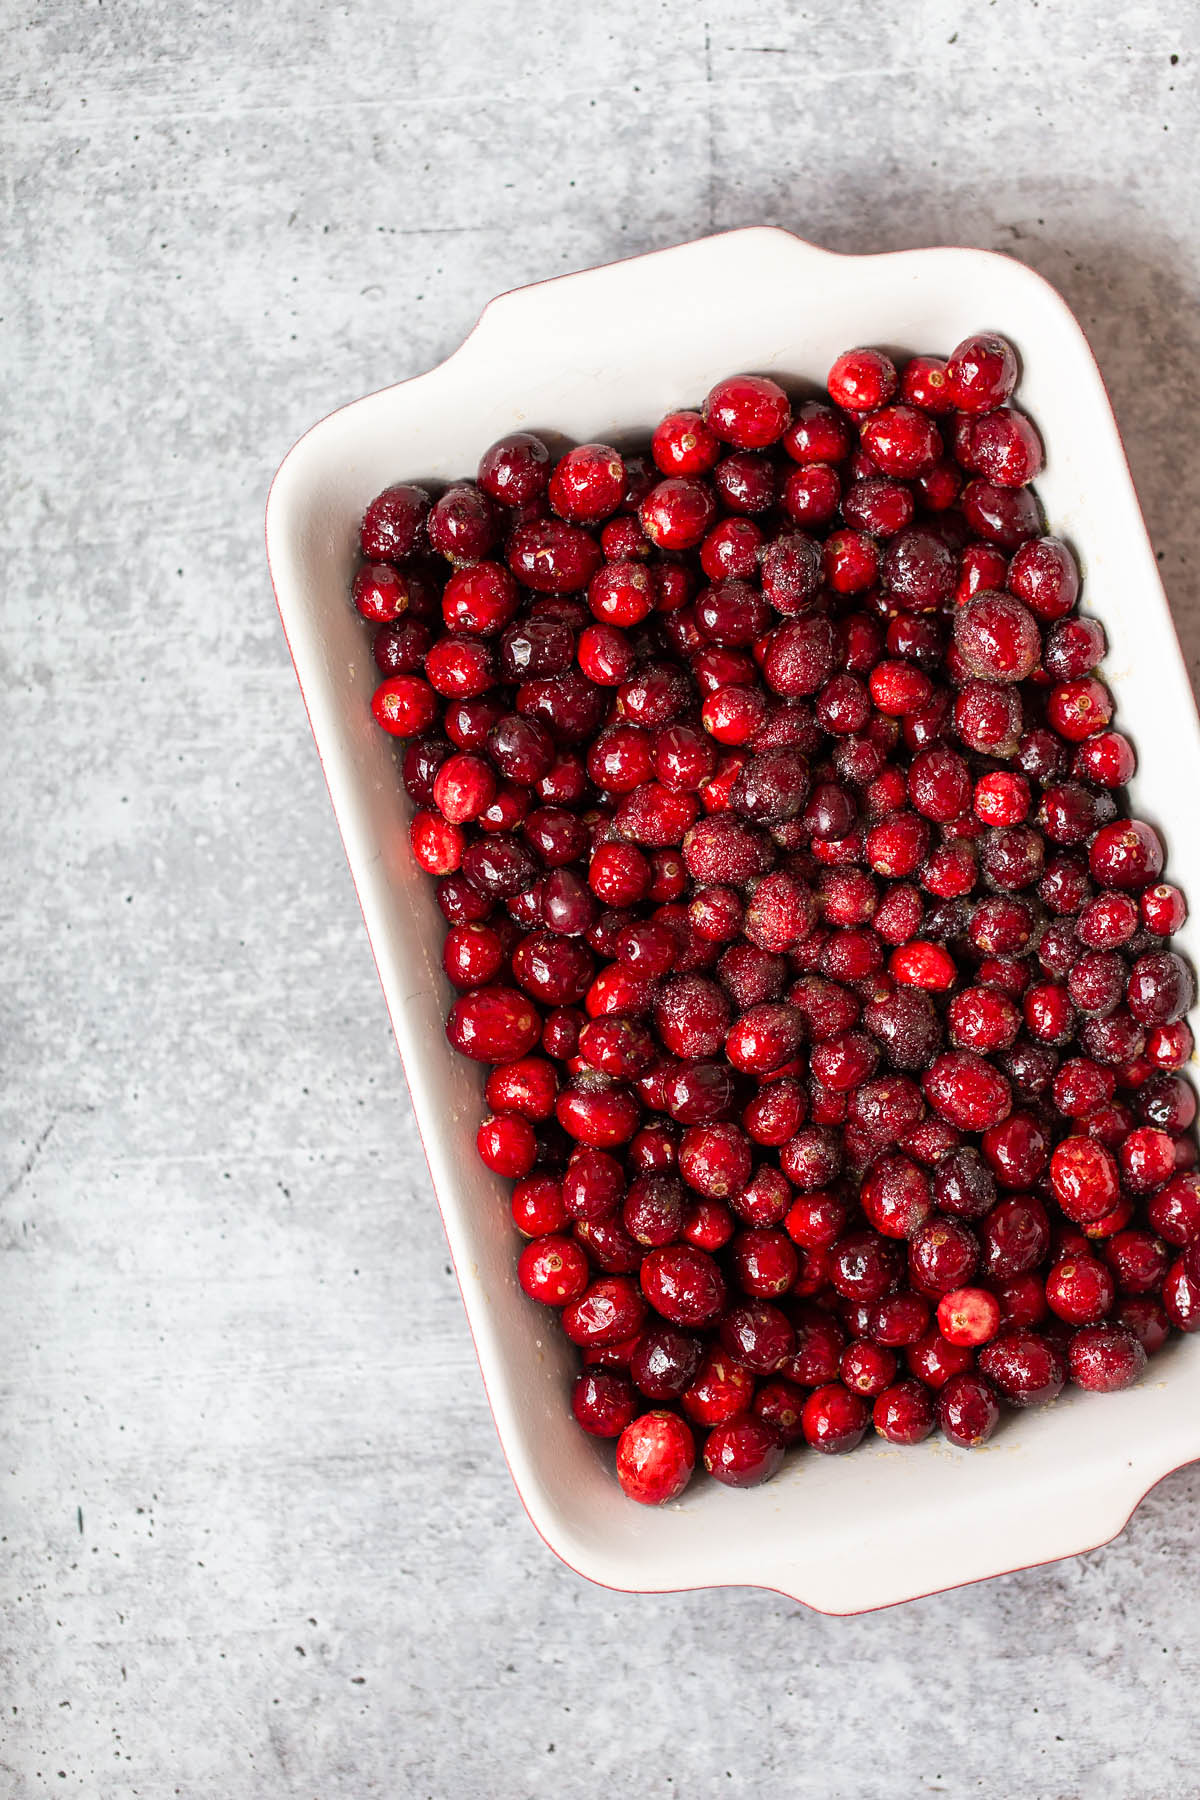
pixel 833 1032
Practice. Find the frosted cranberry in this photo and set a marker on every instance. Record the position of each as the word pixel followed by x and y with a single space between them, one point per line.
pixel 1073 647
pixel 850 561
pixel 967 1091
pixel 939 783
pixel 1147 1319
pixel 1078 709
pixel 967 1411
pixel 394 524
pixel 878 506
pixel 656 1455
pixel 653 1210
pixel 721 1391
pixel 747 482
pixel 750 975
pixel 553 557
pixel 899 914
pixel 1005 447
pixel 887 1107
pixel 997 638
pixel 918 570
pixel 835 1420
pixel 895 1196
pixel 962 1184
pixel 1105 1358
pixel 724 850
pixel 1116 1039
pixel 1015 1236
pixel 1030 1066
pixel 593 1186
pixel 691 1016
pixel 1085 1179
pixel 515 469
pixel 1097 982
pixel 603 1402
pixel 988 718
pixel 1025 1366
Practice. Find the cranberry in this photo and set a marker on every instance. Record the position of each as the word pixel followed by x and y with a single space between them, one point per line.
pixel 967 1091
pixel 656 1455
pixel 981 373
pixel 515 470
pixel 664 1362
pixel 394 526
pixel 744 1453
pixel 834 1419
pixel 904 1413
pixel 1126 854
pixel 1025 1367
pixel 1104 1358
pixel 748 411
pixel 759 1336
pixel 603 1402
pixel 968 1315
pixel 966 1410
pixel 722 1390
pixel 997 638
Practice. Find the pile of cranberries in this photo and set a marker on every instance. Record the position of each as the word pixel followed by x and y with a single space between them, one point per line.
pixel 776 813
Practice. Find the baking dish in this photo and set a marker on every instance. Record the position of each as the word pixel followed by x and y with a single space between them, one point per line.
pixel 604 354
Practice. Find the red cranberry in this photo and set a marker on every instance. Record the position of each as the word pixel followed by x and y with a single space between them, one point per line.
pixel 981 373
pixel 722 1390
pixel 1025 1367
pixel 834 1419
pixel 904 1413
pixel 603 1402
pixel 748 411
pixel 1105 1358
pixel 744 1453
pixel 967 1411
pixel 515 470
pixel 656 1455
pixel 997 638
pixel 394 526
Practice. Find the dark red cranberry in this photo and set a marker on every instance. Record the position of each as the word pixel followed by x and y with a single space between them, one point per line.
pixel 966 1410
pixel 1025 1366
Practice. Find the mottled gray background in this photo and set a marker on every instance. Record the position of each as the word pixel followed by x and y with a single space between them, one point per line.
pixel 259 1537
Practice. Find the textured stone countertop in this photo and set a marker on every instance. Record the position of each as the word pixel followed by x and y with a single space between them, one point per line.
pixel 259 1539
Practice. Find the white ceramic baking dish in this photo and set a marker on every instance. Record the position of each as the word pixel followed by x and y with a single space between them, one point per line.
pixel 607 352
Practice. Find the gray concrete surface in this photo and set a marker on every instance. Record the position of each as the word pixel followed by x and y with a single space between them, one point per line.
pixel 259 1539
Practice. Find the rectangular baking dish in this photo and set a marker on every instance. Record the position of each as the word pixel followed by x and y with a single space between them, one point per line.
pixel 603 353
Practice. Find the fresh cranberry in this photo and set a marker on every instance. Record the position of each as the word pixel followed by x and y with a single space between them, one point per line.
pixel 966 1410
pixel 904 1413
pixel 981 373
pixel 656 1455
pixel 834 1419
pixel 1105 1358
